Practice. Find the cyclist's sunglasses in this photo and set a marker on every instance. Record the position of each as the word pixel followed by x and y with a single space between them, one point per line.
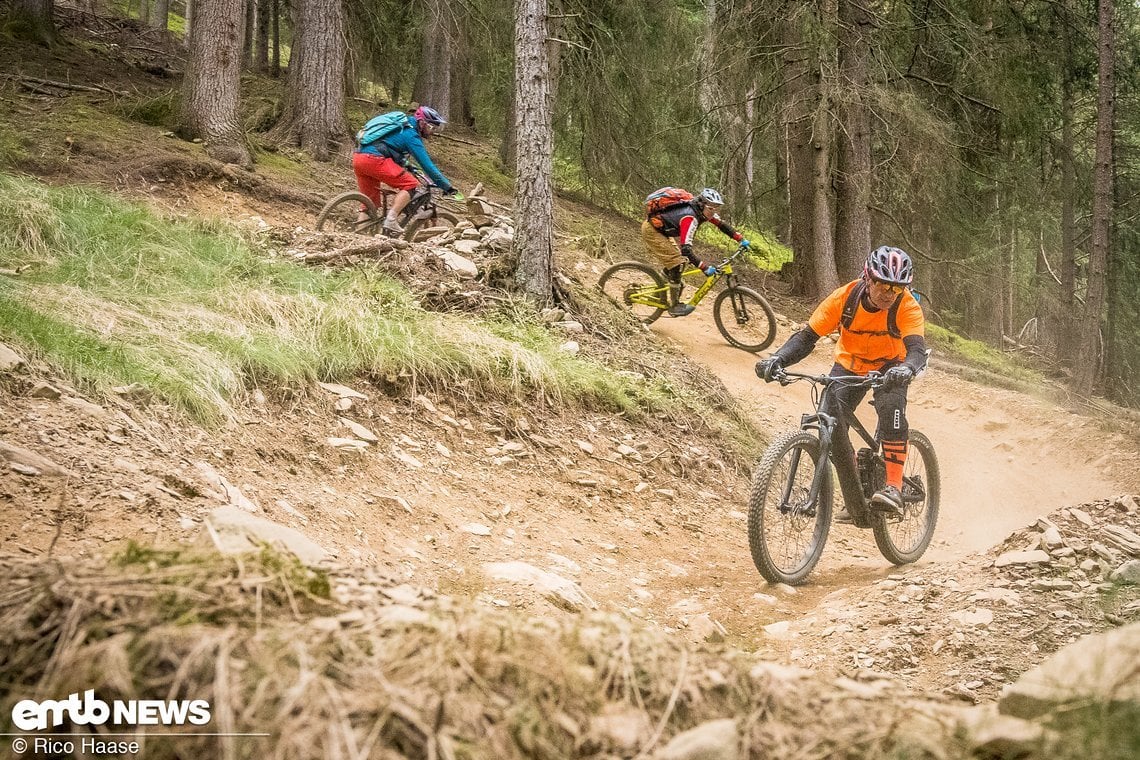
pixel 892 287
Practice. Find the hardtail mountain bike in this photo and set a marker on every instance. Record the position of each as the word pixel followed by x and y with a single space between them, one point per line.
pixel 743 316
pixel 789 511
pixel 421 219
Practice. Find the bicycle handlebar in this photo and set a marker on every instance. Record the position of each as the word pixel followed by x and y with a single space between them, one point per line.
pixel 872 379
pixel 731 256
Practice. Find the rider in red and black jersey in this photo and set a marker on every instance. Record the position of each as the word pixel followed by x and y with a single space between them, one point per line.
pixel 668 236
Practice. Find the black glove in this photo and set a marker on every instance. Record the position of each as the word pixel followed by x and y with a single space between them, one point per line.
pixel 767 369
pixel 899 375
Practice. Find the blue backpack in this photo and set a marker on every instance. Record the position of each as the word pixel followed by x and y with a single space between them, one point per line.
pixel 379 127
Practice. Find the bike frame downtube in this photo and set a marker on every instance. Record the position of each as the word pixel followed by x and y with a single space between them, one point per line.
pixel 705 287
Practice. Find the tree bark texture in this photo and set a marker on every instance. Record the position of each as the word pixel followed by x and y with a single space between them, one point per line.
pixel 823 241
pixel 313 114
pixel 823 127
pixel 275 58
pixel 212 86
pixel 263 20
pixel 247 38
pixel 433 82
pixel 799 95
pixel 1067 340
pixel 534 194
pixel 161 17
pixel 36 15
pixel 853 172
pixel 1086 371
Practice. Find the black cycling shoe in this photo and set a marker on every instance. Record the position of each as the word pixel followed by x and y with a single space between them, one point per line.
pixel 843 517
pixel 680 310
pixel 888 499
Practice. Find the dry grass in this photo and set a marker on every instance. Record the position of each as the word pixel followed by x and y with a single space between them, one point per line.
pixel 368 678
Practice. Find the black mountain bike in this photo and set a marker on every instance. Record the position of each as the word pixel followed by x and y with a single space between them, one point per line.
pixel 742 315
pixel 421 219
pixel 789 511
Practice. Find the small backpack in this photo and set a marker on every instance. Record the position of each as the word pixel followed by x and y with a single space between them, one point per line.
pixel 662 200
pixel 379 127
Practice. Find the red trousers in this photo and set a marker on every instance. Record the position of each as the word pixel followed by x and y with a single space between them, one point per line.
pixel 371 170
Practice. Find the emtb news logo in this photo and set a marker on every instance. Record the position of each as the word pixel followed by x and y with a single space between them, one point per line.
pixel 30 715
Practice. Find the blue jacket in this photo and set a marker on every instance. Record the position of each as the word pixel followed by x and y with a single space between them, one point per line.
pixel 407 142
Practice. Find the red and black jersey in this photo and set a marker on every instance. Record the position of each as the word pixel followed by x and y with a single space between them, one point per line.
pixel 682 221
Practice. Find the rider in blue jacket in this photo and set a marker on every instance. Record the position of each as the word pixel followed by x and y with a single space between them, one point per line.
pixel 385 159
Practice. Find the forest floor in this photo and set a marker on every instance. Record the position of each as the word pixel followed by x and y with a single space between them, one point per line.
pixel 658 537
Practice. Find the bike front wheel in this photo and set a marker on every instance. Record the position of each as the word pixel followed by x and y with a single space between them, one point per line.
pixel 637 287
pixel 786 528
pixel 745 318
pixel 340 214
pixel 903 539
pixel 421 229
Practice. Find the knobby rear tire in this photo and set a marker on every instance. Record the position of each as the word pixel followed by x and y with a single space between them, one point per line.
pixel 620 275
pixel 441 219
pixel 905 540
pixel 760 329
pixel 766 523
pixel 339 214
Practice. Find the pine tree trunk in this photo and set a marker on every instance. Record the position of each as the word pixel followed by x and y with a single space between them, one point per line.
pixel 1067 340
pixel 212 86
pixel 823 240
pixel 261 36
pixel 144 12
pixel 799 93
pixel 313 114
pixel 433 83
pixel 1086 371
pixel 250 25
pixel 853 173
pixel 161 17
pixel 534 202
pixel 706 94
pixel 823 244
pixel 36 16
pixel 275 66
pixel 188 28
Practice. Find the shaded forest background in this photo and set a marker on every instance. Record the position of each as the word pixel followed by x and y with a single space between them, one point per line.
pixel 995 141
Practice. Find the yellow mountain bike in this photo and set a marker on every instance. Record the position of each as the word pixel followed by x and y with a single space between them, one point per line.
pixel 742 315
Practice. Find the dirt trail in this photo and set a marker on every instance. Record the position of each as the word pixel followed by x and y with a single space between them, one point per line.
pixel 1006 458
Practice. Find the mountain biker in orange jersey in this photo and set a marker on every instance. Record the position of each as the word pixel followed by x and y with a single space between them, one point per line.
pixel 881 328
pixel 671 237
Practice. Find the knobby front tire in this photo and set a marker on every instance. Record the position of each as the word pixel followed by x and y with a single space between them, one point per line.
pixel 903 540
pixel 623 280
pixel 419 230
pixel 744 318
pixel 787 543
pixel 339 215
